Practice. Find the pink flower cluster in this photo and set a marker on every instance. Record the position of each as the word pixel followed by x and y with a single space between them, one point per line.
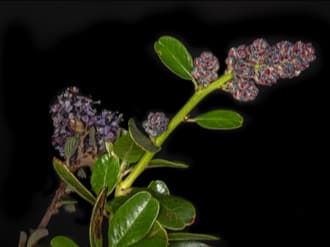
pixel 262 64
pixel 156 123
pixel 205 68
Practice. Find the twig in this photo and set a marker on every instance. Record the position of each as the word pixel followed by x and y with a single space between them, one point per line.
pixel 60 192
pixel 84 159
pixel 53 207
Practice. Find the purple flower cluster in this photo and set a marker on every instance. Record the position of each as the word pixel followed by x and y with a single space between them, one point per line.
pixel 205 68
pixel 262 64
pixel 74 114
pixel 156 123
pixel 107 125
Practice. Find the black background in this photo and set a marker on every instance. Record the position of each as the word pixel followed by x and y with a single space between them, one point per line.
pixel 263 185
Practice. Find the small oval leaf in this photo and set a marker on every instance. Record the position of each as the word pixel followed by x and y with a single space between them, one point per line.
pixel 69 178
pixel 156 163
pixel 175 56
pixel 126 149
pixel 158 231
pixel 106 172
pixel 62 241
pixel 188 244
pixel 219 120
pixel 116 203
pixel 140 139
pixel 159 187
pixel 95 226
pixel 184 236
pixel 71 146
pixel 133 220
pixel 175 212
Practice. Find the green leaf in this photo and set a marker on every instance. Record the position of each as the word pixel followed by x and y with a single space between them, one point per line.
pixel 159 187
pixel 116 202
pixel 219 120
pixel 36 236
pixel 95 226
pixel 106 172
pixel 188 244
pixel 62 241
pixel 69 178
pixel 140 139
pixel 71 146
pixel 174 56
pixel 151 242
pixel 155 163
pixel 175 213
pixel 126 149
pixel 182 236
pixel 133 220
pixel 158 231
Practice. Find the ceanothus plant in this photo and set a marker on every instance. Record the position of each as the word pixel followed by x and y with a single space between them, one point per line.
pixel 87 139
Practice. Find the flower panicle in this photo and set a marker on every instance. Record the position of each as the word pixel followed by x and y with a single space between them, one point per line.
pixel 262 64
pixel 73 114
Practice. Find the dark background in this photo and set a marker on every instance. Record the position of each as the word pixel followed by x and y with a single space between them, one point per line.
pixel 263 185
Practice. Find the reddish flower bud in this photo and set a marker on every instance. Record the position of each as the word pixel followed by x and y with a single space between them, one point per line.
pixel 265 64
pixel 205 68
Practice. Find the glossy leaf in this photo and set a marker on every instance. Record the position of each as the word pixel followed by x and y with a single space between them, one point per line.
pixel 187 244
pixel 71 146
pixel 150 242
pixel 141 139
pixel 69 178
pixel 126 149
pixel 133 220
pixel 106 172
pixel 116 203
pixel 62 241
pixel 219 120
pixel 175 213
pixel 156 163
pixel 158 231
pixel 95 226
pixel 175 56
pixel 159 187
pixel 36 236
pixel 157 237
pixel 184 236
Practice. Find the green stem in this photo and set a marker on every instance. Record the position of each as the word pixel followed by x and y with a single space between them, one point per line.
pixel 175 121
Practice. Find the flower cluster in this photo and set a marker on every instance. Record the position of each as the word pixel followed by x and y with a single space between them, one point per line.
pixel 74 114
pixel 205 68
pixel 107 125
pixel 262 64
pixel 156 123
